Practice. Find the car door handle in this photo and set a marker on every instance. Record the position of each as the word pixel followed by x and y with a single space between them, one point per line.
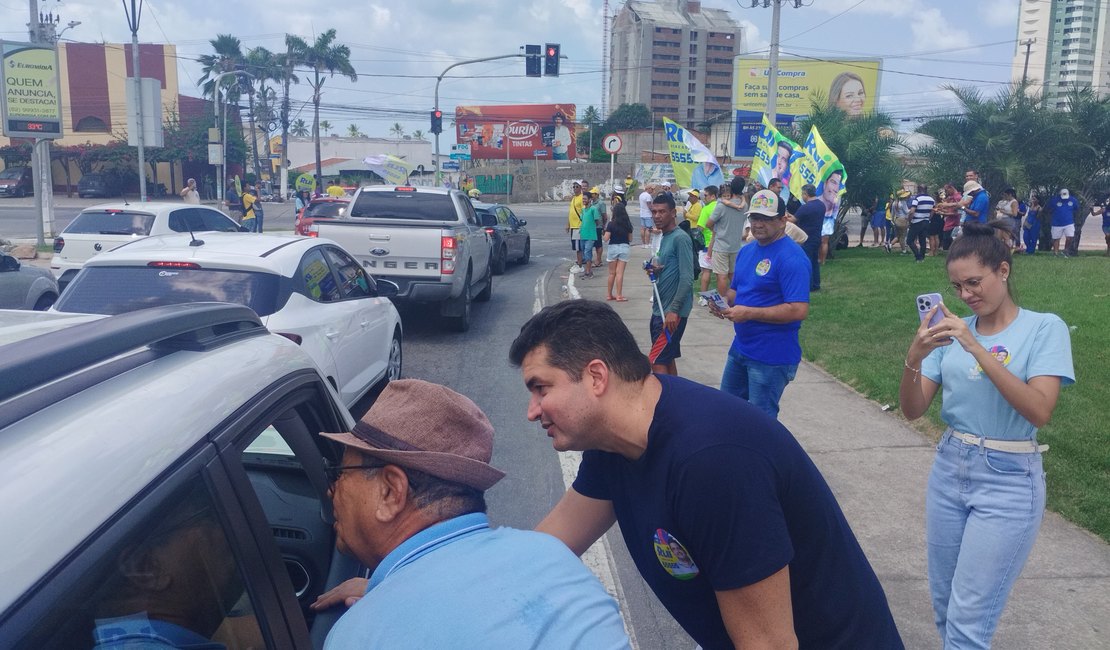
pixel 331 334
pixel 364 324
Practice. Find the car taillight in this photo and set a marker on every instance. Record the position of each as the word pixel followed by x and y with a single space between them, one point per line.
pixel 447 255
pixel 59 244
pixel 404 188
pixel 489 231
pixel 174 265
pixel 313 230
pixel 296 338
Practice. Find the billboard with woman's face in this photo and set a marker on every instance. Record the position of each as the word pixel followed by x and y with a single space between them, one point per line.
pixel 851 85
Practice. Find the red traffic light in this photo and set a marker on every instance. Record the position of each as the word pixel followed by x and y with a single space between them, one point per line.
pixel 438 114
pixel 550 51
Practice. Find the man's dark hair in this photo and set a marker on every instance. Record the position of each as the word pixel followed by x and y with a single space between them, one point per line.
pixel 664 198
pixel 810 190
pixel 773 181
pixel 922 188
pixel 712 189
pixel 575 332
pixel 736 186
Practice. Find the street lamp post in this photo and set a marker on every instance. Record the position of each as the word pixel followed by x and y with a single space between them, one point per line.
pixel 222 166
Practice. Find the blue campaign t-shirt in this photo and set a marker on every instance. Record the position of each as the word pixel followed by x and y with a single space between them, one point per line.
pixel 1063 211
pixel 980 203
pixel 724 497
pixel 766 276
pixel 1033 345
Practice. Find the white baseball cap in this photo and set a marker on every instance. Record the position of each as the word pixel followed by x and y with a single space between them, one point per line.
pixel 1064 193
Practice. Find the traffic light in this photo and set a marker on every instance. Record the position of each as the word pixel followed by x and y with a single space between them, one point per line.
pixel 551 60
pixel 532 60
pixel 437 121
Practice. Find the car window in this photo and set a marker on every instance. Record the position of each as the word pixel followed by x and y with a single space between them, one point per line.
pixel 14 172
pixel 503 216
pixel 118 289
pixel 487 218
pixel 200 219
pixel 110 222
pixel 171 581
pixel 326 209
pixel 425 206
pixel 355 282
pixel 319 282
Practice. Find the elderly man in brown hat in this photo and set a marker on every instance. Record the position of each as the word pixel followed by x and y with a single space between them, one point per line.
pixel 409 503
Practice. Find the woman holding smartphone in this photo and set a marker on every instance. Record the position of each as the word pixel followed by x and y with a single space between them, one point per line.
pixel 1001 370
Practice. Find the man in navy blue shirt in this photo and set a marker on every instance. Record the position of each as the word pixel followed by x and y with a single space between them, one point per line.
pixel 809 218
pixel 727 519
pixel 1063 221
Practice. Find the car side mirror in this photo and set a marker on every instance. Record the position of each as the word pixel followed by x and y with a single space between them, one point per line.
pixel 522 222
pixel 386 288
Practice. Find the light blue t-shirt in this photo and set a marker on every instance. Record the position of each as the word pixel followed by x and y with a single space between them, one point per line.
pixel 460 584
pixel 1033 345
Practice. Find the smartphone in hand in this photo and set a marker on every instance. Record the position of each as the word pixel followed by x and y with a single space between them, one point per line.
pixel 927 301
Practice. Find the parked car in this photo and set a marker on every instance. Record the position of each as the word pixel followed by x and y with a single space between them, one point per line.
pixel 17 182
pixel 325 207
pixel 511 240
pixel 165 476
pixel 25 287
pixel 308 290
pixel 426 239
pixel 103 227
pixel 99 185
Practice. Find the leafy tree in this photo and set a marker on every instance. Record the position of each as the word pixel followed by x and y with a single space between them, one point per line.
pixel 325 59
pixel 418 134
pixel 397 130
pixel 326 126
pixel 591 117
pixel 628 116
pixel 353 131
pixel 16 154
pixel 300 129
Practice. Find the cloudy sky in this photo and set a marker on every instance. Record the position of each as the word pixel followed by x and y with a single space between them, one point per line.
pixel 398 48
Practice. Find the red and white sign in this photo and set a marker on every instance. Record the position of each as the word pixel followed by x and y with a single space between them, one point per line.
pixel 611 143
pixel 521 129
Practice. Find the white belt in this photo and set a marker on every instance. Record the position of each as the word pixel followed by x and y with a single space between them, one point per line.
pixel 1011 446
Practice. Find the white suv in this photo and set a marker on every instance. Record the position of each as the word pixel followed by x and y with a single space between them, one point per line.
pixel 162 483
pixel 306 289
pixel 103 227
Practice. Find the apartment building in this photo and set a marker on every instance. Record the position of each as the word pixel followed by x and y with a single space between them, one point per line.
pixel 1070 46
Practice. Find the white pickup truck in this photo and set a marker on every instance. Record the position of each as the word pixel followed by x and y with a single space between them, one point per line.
pixel 426 240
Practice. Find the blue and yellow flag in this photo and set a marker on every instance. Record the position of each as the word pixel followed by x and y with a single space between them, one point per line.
pixel 774 155
pixel 693 164
pixel 819 166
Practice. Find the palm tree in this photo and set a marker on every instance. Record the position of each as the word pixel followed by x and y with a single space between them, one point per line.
pixel 228 57
pixel 326 126
pixel 324 57
pixel 397 130
pixel 299 128
pixel 263 67
pixel 418 135
pixel 294 53
pixel 353 131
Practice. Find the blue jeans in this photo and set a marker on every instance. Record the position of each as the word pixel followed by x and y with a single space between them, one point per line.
pixel 983 509
pixel 759 383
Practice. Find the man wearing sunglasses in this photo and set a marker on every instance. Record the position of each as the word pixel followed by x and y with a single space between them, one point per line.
pixel 409 503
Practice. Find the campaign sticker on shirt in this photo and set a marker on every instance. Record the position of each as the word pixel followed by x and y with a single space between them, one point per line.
pixel 763 268
pixel 673 556
pixel 998 352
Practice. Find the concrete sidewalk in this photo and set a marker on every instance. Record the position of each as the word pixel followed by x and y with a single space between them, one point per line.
pixel 877 466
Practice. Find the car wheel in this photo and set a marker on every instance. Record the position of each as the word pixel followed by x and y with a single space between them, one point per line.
pixel 19 193
pixel 45 301
pixel 499 263
pixel 487 292
pixel 524 259
pixel 393 370
pixel 461 322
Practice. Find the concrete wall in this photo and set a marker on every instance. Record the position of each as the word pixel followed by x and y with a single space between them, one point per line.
pixel 554 182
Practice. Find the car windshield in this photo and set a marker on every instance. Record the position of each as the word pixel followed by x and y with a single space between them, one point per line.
pixel 110 222
pixel 326 209
pixel 14 172
pixel 118 289
pixel 424 206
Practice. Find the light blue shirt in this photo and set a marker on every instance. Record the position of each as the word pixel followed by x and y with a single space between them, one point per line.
pixel 460 584
pixel 1033 345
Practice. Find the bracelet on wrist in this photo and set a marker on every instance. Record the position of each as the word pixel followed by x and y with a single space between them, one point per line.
pixel 916 371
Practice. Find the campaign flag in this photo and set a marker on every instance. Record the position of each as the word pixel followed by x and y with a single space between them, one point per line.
pixel 774 155
pixel 819 166
pixel 391 168
pixel 660 343
pixel 693 163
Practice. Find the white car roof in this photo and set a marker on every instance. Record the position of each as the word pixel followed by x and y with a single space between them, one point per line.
pixel 152 207
pixel 19 324
pixel 273 253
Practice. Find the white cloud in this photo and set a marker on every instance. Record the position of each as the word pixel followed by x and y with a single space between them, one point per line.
pixel 999 13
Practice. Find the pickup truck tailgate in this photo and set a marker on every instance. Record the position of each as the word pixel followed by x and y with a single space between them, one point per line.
pixel 413 251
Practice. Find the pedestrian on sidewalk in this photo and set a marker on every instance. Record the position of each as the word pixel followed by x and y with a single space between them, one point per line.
pixel 646 223
pixel 921 211
pixel 769 299
pixel 618 232
pixel 705 256
pixel 811 218
pixel 727 224
pixel 1001 370
pixel 728 520
pixel 673 266
pixel 600 205
pixel 189 193
pixel 409 501
pixel 574 222
pixel 588 233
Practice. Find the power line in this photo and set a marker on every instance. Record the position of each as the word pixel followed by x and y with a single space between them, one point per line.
pixel 825 21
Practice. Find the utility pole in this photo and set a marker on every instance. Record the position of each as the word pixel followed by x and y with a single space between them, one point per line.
pixel 41 30
pixel 133 17
pixel 1028 43
pixel 773 71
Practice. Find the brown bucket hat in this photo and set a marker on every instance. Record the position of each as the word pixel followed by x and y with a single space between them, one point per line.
pixel 430 428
